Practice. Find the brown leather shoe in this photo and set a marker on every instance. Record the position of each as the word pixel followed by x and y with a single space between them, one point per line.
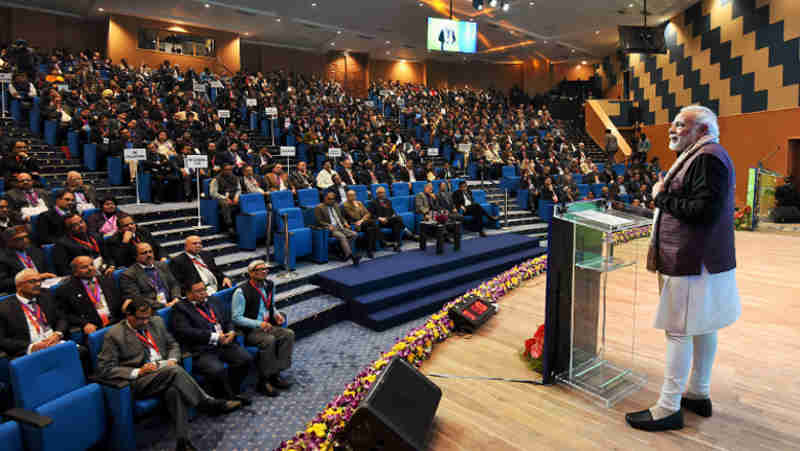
pixel 266 389
pixel 280 382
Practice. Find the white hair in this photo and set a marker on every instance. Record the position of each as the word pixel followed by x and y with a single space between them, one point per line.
pixel 704 116
pixel 24 273
pixel 253 264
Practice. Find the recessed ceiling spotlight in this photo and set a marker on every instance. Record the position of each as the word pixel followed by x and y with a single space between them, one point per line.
pixel 583 62
pixel 313 5
pixel 208 5
pixel 545 42
pixel 388 42
pixel 631 5
pixel 531 3
pixel 333 43
pixel 278 19
pixel 572 50
pixel 492 3
pixel 388 52
pixel 421 4
pixel 246 33
pixel 338 31
pixel 506 6
pixel 100 9
pixel 596 31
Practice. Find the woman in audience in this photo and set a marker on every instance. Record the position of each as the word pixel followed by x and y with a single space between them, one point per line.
pixel 104 222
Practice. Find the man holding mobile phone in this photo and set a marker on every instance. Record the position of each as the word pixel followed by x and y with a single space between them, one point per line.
pixel 201 329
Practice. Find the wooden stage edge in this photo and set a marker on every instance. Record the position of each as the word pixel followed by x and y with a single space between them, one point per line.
pixel 755 384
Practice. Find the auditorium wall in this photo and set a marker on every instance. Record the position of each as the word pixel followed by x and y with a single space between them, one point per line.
pixel 49 31
pixel 402 71
pixel 264 58
pixel 741 58
pixel 123 43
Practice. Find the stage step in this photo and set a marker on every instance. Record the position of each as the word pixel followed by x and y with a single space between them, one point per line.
pixel 383 299
pixel 314 314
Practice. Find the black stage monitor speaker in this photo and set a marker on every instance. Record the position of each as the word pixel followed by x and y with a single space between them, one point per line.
pixel 397 413
pixel 471 313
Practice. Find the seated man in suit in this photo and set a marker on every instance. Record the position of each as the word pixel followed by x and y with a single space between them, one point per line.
pixel 85 195
pixel 88 301
pixel 8 217
pixel 226 188
pixel 347 174
pixel 80 242
pixel 369 176
pixel 19 254
pixel 357 214
pixel 150 280
pixel 409 173
pixel 329 216
pixel 253 311
pixel 194 265
pixel 26 199
pixel 466 206
pixel 424 203
pixel 141 350
pixel 382 211
pixel 122 245
pixel 203 331
pixel 50 224
pixel 300 178
pixel 339 189
pixel 31 320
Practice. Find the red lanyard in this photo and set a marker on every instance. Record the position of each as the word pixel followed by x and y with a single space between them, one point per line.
pixel 198 262
pixel 94 296
pixel 147 340
pixel 26 260
pixel 91 245
pixel 266 300
pixel 211 319
pixel 38 318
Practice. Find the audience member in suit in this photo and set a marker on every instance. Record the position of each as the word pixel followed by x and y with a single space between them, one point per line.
pixel 357 214
pixel 382 211
pixel 252 183
pixel 369 176
pixel 226 188
pixel 262 160
pixel 8 218
pixel 26 199
pixel 465 204
pixel 80 242
pixel 141 350
pixel 31 320
pixel 339 189
pixel 409 173
pixel 88 301
pixel 85 195
pixel 424 202
pixel 200 329
pixel 149 280
pixel 325 176
pixel 446 172
pixel 104 222
pixel 253 311
pixel 347 174
pixel 194 265
pixel 300 178
pixel 329 216
pixel 50 225
pixel 122 245
pixel 19 254
pixel 274 179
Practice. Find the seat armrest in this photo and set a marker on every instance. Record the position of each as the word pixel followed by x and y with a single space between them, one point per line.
pixel 118 384
pixel 28 417
pixel 3 355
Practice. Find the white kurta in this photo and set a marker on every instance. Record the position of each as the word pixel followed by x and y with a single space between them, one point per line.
pixel 697 305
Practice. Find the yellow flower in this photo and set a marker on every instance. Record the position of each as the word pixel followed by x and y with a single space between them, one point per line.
pixel 399 346
pixel 380 364
pixel 370 378
pixel 349 393
pixel 410 358
pixel 319 429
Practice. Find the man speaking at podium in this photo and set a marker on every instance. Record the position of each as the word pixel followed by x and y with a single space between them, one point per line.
pixel 692 249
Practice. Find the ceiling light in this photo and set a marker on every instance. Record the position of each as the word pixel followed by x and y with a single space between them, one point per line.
pixel 402 61
pixel 278 19
pixel 246 33
pixel 338 31
pixel 506 6
pixel 477 4
pixel 313 5
pixel 420 4
pixel 100 9
pixel 583 62
pixel 492 3
pixel 572 50
pixel 631 5
pixel 597 32
pixel 388 52
pixel 207 5
pixel 531 3
pixel 388 42
pixel 545 42
pixel 333 43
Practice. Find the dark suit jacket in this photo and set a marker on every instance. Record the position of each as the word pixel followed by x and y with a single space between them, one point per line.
pixel 185 272
pixel 458 198
pixel 49 227
pixel 17 199
pixel 423 204
pixel 10 266
pixel 67 249
pixel 445 200
pixel 122 352
pixel 192 331
pixel 134 282
pixel 89 192
pixel 124 254
pixel 381 210
pixel 402 175
pixel 324 218
pixel 346 179
pixel 14 334
pixel 78 308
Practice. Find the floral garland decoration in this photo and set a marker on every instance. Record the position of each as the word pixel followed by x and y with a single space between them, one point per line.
pixel 416 347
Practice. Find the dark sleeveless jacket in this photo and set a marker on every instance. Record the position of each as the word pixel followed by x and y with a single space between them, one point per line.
pixel 684 247
pixel 253 301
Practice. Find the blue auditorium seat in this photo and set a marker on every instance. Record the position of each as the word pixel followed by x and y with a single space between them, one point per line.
pixel 597 189
pixel 47 250
pixel 51 382
pixel 522 199
pixel 300 237
pixel 73 142
pixel 625 198
pixel 251 223
pixel 618 169
pixel 583 189
pixel 209 207
pixel 11 436
pixel 115 166
pixel 454 184
pixel 51 132
pixel 35 117
pixel 16 111
pixel 307 198
pixel 546 210
pixel 144 180
pixel 577 178
pixel 404 207
pixel 361 192
pixel 418 187
pixel 400 189
pixel 480 198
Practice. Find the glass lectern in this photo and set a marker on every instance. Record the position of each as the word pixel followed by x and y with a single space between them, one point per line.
pixel 592 300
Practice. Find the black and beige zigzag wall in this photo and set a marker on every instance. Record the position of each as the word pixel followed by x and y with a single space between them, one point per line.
pixel 733 56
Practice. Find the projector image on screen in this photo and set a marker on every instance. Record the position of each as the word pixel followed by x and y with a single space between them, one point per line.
pixel 635 39
pixel 452 36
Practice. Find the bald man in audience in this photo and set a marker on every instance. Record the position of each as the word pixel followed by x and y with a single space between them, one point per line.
pixel 361 219
pixel 31 320
pixel 150 280
pixel 78 241
pixel 88 300
pixel 85 195
pixel 196 265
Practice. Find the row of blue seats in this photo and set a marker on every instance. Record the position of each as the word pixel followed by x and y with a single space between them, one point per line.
pixel 51 383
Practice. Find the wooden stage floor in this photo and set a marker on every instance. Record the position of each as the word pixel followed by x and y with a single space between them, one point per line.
pixel 755 384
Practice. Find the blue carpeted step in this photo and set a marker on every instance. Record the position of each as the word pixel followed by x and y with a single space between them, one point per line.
pixel 314 314
pixel 431 302
pixel 377 300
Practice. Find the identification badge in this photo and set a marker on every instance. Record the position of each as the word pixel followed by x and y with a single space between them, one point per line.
pixel 161 298
pixel 218 328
